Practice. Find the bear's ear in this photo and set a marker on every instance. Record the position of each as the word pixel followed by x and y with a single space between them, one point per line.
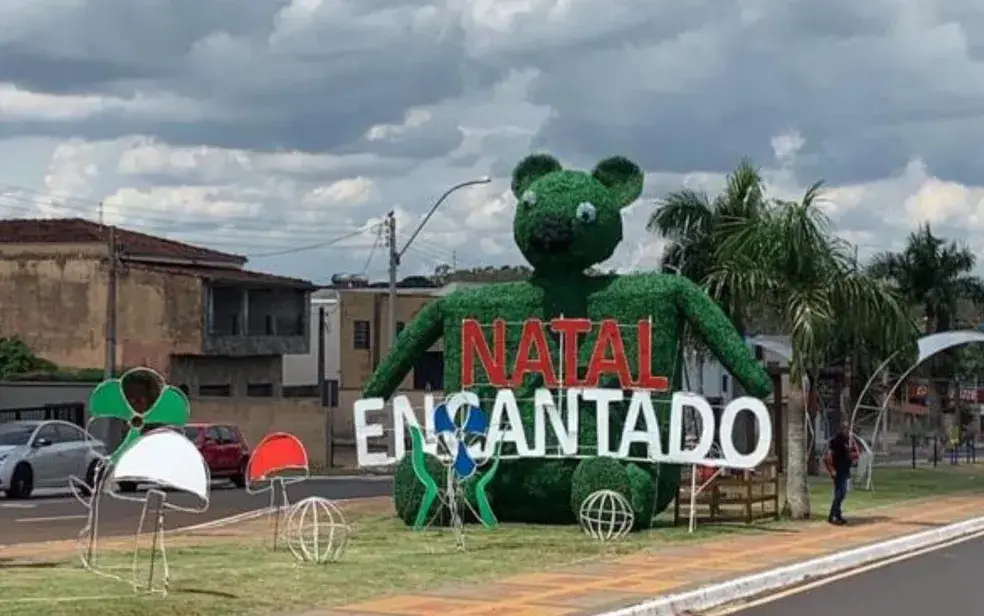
pixel 531 168
pixel 622 177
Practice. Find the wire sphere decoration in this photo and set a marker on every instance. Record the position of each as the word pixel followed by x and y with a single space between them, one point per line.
pixel 606 516
pixel 316 531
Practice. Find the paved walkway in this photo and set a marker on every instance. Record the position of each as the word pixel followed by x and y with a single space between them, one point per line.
pixel 588 589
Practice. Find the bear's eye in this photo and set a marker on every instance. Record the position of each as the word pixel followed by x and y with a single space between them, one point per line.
pixel 586 212
pixel 528 198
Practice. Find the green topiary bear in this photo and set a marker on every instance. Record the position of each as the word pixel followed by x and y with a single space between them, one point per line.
pixel 567 221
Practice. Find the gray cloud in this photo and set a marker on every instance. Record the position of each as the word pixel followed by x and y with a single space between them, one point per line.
pixel 677 86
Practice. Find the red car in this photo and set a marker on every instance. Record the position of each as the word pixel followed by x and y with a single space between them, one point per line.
pixel 223 447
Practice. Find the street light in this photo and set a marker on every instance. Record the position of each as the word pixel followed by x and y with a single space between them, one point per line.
pixel 395 255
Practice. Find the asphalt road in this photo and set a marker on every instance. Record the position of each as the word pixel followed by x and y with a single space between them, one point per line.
pixel 61 516
pixel 939 582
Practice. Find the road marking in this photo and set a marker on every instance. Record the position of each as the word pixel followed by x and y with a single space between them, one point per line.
pixel 53 518
pixel 735 609
pixel 17 506
pixel 364 478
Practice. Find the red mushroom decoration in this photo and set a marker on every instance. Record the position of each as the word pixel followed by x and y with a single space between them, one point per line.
pixel 277 454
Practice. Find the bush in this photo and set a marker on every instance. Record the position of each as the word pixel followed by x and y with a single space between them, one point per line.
pixel 408 493
pixel 601 473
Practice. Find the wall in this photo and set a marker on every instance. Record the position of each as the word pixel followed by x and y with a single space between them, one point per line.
pixel 258 417
pixel 237 318
pixel 357 365
pixel 302 369
pixel 342 419
pixel 15 395
pixel 54 299
pixel 159 315
pixel 193 371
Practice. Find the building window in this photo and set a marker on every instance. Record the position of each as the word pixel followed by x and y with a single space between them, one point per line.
pixel 428 372
pixel 222 391
pixel 259 390
pixel 299 391
pixel 226 311
pixel 360 335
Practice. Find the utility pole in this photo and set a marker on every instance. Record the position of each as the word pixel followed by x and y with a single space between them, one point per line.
pixel 394 264
pixel 323 389
pixel 101 213
pixel 112 436
pixel 395 255
pixel 111 305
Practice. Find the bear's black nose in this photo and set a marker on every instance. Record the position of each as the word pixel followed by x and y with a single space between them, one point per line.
pixel 553 234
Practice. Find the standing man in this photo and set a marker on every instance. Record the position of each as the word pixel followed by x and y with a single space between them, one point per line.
pixel 839 459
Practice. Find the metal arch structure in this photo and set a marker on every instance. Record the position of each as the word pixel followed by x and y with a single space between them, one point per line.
pixel 785 351
pixel 928 346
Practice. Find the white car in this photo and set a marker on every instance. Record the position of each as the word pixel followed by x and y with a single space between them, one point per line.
pixel 44 454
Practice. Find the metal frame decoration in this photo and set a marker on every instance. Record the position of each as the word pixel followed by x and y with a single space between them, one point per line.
pixel 606 516
pixel 162 457
pixel 273 458
pixel 928 346
pixel 306 519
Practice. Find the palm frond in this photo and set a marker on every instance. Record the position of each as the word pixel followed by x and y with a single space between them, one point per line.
pixel 682 215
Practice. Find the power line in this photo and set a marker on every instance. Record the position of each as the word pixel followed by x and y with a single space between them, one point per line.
pixel 372 251
pixel 324 244
pixel 227 235
pixel 133 214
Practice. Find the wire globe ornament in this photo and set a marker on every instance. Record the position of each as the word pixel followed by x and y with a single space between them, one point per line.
pixel 606 516
pixel 316 531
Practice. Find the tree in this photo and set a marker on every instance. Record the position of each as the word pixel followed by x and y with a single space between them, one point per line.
pixel 934 275
pixel 696 225
pixel 789 259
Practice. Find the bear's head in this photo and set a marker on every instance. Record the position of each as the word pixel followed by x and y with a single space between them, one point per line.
pixel 566 220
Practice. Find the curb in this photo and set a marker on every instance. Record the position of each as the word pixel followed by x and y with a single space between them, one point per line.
pixel 756 584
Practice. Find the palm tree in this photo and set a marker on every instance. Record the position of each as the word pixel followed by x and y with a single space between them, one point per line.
pixel 789 259
pixel 695 224
pixel 934 275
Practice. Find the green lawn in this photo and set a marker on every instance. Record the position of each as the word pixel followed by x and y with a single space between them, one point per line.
pixel 382 557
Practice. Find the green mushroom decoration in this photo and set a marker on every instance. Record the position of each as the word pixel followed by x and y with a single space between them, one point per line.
pixel 567 221
pixel 142 400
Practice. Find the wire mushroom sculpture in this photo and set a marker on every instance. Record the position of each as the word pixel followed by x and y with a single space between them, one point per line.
pixel 279 460
pixel 166 460
pixel 141 400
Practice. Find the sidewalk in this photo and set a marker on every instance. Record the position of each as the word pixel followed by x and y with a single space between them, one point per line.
pixel 588 589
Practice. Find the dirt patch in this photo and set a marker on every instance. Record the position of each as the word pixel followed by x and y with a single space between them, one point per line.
pixel 259 529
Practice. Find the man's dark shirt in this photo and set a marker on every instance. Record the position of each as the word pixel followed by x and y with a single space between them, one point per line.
pixel 840 454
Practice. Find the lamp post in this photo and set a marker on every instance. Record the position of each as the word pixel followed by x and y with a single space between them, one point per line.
pixel 396 255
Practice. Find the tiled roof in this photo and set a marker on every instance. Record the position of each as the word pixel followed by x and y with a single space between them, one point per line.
pixel 222 274
pixel 81 231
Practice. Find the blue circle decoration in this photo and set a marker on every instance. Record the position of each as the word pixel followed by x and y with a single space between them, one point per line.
pixel 474 423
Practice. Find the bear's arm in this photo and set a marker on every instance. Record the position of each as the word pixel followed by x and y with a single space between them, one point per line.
pixel 719 334
pixel 425 329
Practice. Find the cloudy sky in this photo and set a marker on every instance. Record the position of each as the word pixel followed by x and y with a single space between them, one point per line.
pixel 269 126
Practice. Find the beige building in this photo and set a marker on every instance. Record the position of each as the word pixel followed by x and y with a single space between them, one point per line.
pixel 192 313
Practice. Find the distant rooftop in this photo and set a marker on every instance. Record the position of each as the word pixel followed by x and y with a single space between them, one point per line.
pixel 143 250
pixel 132 243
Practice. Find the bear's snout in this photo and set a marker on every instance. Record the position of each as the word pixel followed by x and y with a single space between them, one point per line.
pixel 553 234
